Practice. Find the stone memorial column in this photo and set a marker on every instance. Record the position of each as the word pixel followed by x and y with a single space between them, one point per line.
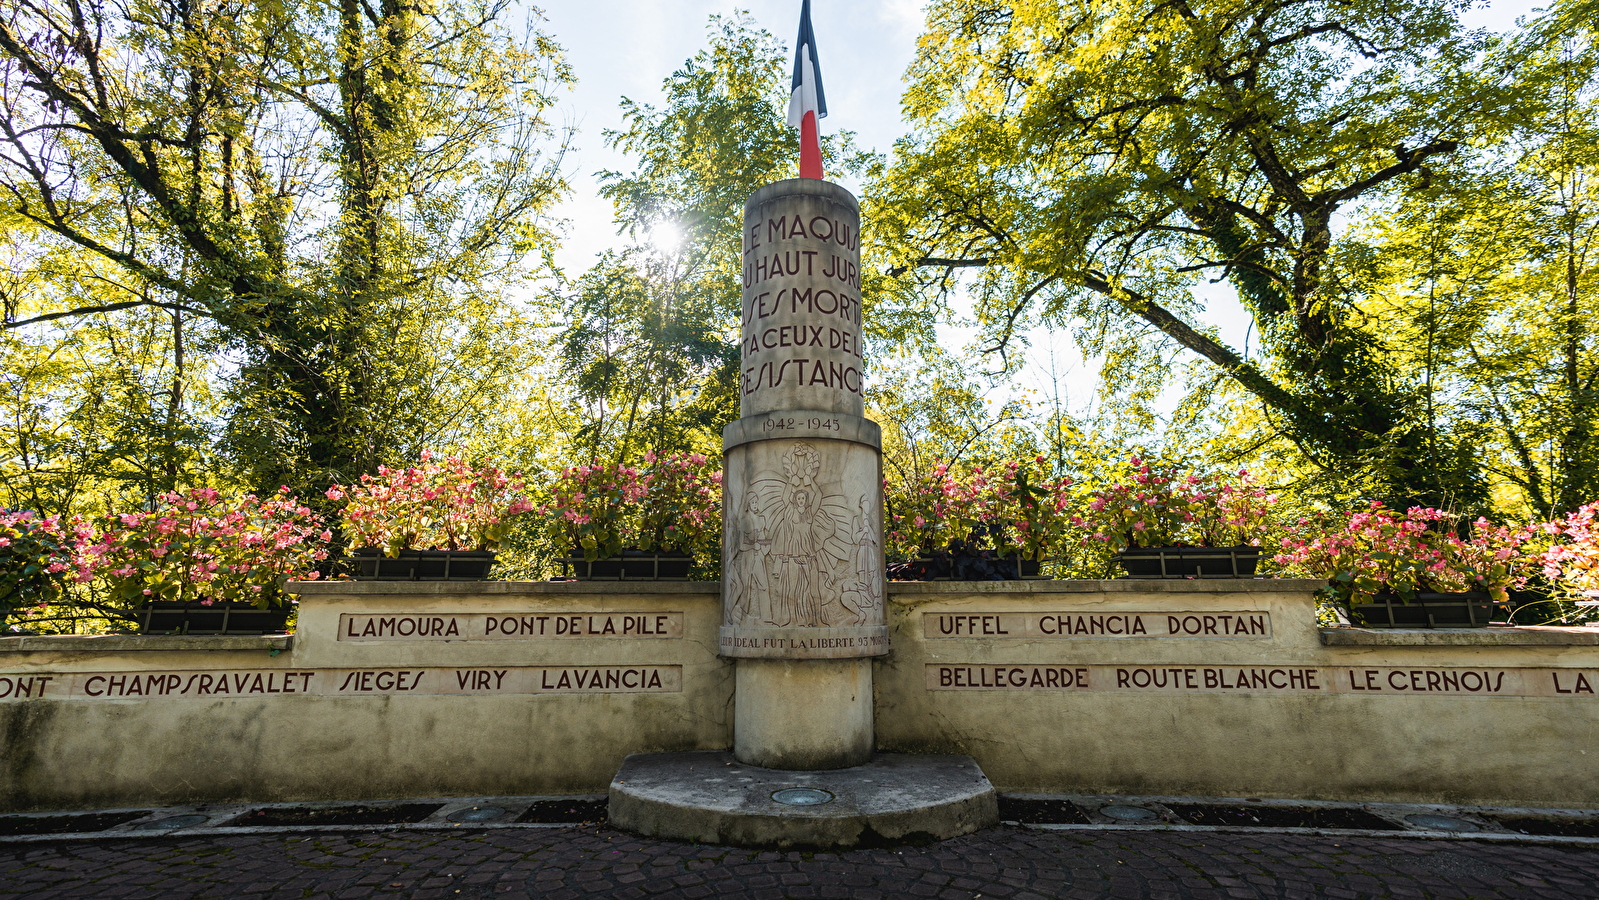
pixel 802 548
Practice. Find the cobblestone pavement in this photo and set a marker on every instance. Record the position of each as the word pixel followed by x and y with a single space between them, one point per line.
pixel 590 861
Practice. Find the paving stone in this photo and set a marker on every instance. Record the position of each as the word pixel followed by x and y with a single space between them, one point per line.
pixel 589 863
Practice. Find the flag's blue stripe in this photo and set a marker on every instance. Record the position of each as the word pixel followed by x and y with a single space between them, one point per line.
pixel 807 39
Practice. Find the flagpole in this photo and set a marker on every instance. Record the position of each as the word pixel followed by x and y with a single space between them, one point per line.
pixel 807 104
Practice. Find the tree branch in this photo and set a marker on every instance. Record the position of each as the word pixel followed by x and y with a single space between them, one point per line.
pixel 1409 161
pixel 109 307
pixel 1235 366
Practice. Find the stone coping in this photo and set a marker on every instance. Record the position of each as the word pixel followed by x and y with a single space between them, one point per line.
pixel 121 643
pixel 1112 586
pixel 843 427
pixel 332 589
pixel 1519 636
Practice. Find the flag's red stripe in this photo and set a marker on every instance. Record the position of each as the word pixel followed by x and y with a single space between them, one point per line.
pixel 810 147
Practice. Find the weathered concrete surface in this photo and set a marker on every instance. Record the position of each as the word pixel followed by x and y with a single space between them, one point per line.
pixel 104 751
pixel 803 714
pixel 713 798
pixel 100 644
pixel 1520 636
pixel 801 326
pixel 1396 745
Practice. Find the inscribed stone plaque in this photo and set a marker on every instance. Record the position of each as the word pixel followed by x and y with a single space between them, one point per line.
pixel 247 683
pixel 1232 678
pixel 508 626
pixel 801 335
pixel 1084 625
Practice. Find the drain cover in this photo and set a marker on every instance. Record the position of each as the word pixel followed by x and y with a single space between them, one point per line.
pixel 476 814
pixel 1440 823
pixel 1128 813
pixel 169 822
pixel 802 797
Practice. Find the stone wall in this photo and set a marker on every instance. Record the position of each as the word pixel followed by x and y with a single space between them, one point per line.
pixel 386 690
pixel 397 689
pixel 1227 688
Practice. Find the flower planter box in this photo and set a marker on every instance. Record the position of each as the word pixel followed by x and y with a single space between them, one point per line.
pixel 173 617
pixel 422 565
pixel 966 567
pixel 632 565
pixel 1189 562
pixel 1389 610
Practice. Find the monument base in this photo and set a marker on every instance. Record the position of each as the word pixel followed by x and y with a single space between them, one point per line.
pixel 803 713
pixel 712 798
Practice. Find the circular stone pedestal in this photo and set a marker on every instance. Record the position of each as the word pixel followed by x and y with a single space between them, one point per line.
pixel 712 798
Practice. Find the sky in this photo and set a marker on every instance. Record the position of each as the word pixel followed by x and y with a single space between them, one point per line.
pixel 626 48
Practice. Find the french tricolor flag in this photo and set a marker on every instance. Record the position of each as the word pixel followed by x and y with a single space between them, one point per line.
pixel 807 103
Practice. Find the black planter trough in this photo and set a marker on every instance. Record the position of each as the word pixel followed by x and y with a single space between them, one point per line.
pixel 632 565
pixel 370 564
pixel 1428 610
pixel 175 617
pixel 965 565
pixel 1189 562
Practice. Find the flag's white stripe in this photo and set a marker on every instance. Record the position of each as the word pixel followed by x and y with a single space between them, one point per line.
pixel 803 98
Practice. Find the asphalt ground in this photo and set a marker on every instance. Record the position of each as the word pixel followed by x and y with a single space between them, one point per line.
pixel 1009 861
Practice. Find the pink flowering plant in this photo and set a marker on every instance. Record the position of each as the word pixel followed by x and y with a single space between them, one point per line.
pixel 1230 510
pixel 445 503
pixel 1364 553
pixel 673 503
pixel 683 503
pixel 1043 518
pixel 1144 503
pixel 595 508
pixel 198 546
pixel 36 562
pixel 1571 562
pixel 1014 508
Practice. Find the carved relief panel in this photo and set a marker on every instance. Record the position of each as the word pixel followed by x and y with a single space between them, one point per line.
pixel 802 570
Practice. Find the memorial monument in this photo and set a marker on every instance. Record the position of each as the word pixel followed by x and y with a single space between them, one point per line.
pixel 802 574
pixel 802 558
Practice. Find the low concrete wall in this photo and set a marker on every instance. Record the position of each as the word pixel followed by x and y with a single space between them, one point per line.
pixel 1087 691
pixel 400 689
pixel 408 709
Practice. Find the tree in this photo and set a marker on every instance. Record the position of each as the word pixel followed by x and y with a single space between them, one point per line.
pixel 337 186
pixel 650 370
pixel 1486 278
pixel 933 411
pixel 1093 161
pixel 654 334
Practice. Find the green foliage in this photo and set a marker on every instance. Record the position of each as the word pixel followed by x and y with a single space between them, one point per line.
pixel 652 344
pixel 652 367
pixel 35 560
pixel 934 412
pixel 346 191
pixel 1484 280
pixel 1092 162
